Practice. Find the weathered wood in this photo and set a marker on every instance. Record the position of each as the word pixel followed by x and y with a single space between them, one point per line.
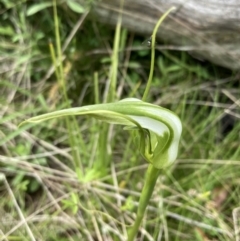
pixel 210 29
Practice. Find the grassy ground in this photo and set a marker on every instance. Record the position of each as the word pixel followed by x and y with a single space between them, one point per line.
pixel 80 179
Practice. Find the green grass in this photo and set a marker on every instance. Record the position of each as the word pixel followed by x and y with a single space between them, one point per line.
pixel 193 200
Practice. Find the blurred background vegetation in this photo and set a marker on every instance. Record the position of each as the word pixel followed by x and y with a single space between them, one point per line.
pixel 40 179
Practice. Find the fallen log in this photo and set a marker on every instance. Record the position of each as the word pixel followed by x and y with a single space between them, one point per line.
pixel 208 29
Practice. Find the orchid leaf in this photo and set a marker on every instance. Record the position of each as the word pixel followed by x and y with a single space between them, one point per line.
pixel 157 129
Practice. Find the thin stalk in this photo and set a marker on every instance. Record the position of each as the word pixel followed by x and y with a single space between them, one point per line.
pixel 151 178
pixel 152 172
pixel 149 82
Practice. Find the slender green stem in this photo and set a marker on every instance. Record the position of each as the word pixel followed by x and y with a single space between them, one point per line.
pixel 152 172
pixel 153 52
pixel 151 178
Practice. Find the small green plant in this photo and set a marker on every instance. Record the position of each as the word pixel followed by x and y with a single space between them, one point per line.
pixel 155 130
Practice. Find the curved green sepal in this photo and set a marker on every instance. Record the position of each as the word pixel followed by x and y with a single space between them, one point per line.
pixel 158 129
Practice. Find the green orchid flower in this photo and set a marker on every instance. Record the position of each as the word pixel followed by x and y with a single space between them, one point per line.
pixel 157 130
